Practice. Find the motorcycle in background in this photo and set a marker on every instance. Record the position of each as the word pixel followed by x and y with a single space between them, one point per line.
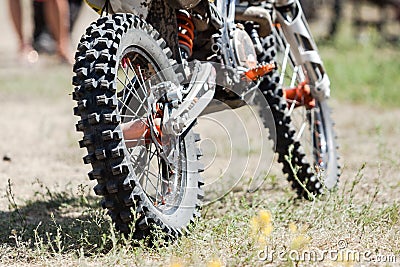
pixel 146 71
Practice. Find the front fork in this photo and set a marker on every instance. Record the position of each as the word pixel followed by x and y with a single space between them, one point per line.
pixel 303 50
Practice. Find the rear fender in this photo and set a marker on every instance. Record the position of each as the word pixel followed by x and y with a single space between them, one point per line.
pixel 136 7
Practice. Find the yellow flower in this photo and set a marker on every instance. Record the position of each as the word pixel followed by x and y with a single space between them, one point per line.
pixel 214 263
pixel 267 230
pixel 300 241
pixel 261 227
pixel 292 228
pixel 176 263
pixel 262 223
pixel 264 216
pixel 254 225
pixel 261 241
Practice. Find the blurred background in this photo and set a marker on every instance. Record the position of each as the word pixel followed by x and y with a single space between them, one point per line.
pixel 37 34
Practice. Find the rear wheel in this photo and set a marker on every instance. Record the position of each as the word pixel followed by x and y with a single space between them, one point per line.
pixel 117 61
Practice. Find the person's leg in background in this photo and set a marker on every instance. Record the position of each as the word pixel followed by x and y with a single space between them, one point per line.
pixel 43 39
pixel 74 9
pixel 16 17
pixel 25 50
pixel 57 13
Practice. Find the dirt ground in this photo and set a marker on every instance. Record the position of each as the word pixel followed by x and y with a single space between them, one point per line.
pixel 37 126
pixel 39 142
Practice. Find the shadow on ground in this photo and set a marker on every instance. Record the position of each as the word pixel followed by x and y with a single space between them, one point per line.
pixel 56 223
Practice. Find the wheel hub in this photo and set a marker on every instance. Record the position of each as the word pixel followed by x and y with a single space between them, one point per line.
pixel 139 131
pixel 300 96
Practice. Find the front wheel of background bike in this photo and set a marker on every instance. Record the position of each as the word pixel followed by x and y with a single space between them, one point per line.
pixel 305 140
pixel 114 62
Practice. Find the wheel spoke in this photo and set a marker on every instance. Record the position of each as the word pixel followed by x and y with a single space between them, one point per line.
pixel 151 170
pixel 132 84
pixel 292 84
pixel 130 110
pixel 312 134
pixel 135 95
pixel 301 130
pixel 125 97
pixel 284 65
pixel 129 116
pixel 141 85
pixel 158 177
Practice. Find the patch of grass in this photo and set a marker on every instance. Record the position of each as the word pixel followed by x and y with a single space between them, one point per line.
pixel 46 228
pixel 31 81
pixel 363 73
pixel 55 222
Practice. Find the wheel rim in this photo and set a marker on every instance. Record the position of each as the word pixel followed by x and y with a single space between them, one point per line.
pixel 162 182
pixel 309 122
pixel 310 133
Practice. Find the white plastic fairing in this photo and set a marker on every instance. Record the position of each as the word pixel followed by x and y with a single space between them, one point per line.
pixel 303 48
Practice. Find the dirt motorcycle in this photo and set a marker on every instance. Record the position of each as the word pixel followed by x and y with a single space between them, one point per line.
pixel 145 72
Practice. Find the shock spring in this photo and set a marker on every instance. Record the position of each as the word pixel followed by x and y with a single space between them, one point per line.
pixel 185 32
